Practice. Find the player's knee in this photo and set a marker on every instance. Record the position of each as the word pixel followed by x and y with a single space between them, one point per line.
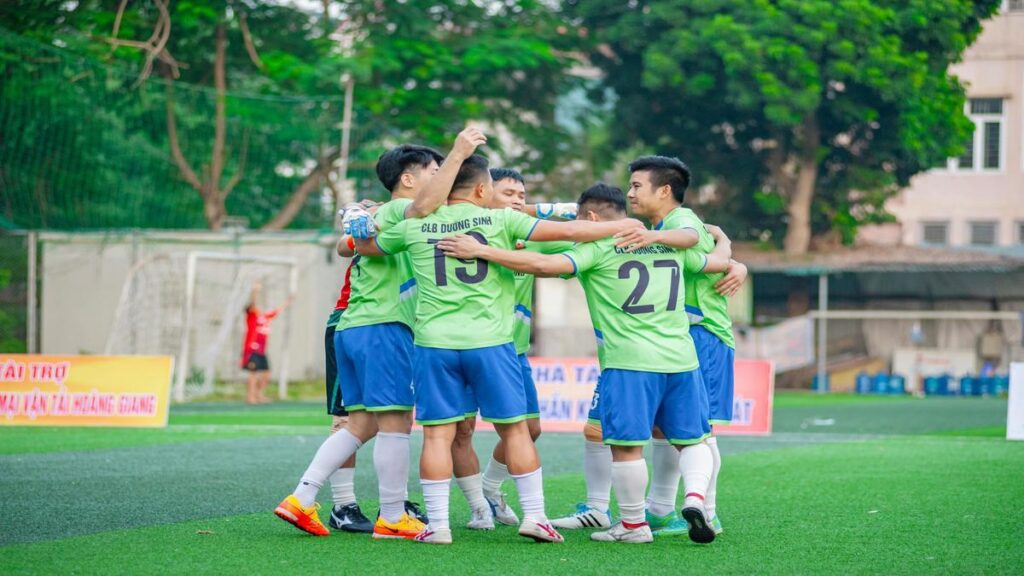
pixel 592 433
pixel 533 425
pixel 362 425
pixel 394 422
pixel 338 422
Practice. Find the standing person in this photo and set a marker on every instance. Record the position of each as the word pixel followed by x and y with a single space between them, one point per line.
pixel 378 325
pixel 464 339
pixel 254 351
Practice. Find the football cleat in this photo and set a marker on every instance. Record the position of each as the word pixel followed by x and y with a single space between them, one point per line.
pixel 413 509
pixel 501 511
pixel 619 533
pixel 481 519
pixel 350 518
pixel 716 525
pixel 302 517
pixel 584 517
pixel 659 522
pixel 700 530
pixel 431 536
pixel 539 531
pixel 677 527
pixel 407 527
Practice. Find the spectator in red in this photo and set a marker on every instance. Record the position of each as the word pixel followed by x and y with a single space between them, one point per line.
pixel 254 352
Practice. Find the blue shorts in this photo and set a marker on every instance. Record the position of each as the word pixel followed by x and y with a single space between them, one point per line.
pixel 444 378
pixel 375 367
pixel 633 402
pixel 532 404
pixel 716 367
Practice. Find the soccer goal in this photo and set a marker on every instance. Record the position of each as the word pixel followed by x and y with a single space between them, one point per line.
pixel 191 306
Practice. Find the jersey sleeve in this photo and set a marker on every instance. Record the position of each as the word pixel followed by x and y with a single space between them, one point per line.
pixel 686 220
pixel 556 247
pixel 391 213
pixel 518 226
pixel 392 240
pixel 694 261
pixel 584 257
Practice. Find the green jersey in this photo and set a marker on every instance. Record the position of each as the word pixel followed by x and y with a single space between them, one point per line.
pixel 704 305
pixel 523 311
pixel 462 304
pixel 636 304
pixel 383 289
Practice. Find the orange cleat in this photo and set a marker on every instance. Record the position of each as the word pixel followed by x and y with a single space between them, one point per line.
pixel 407 527
pixel 302 517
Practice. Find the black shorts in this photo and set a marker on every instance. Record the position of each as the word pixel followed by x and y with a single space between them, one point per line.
pixel 257 363
pixel 335 405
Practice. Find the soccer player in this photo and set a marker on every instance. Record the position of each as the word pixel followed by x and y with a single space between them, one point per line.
pixel 464 339
pixel 254 351
pixel 649 364
pixel 377 326
pixel 710 327
pixel 487 502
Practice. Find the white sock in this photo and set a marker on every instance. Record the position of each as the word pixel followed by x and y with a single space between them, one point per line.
pixel 630 481
pixel 531 494
pixel 338 448
pixel 472 488
pixel 494 475
pixel 343 486
pixel 597 470
pixel 391 461
pixel 435 498
pixel 664 478
pixel 709 498
pixel 696 464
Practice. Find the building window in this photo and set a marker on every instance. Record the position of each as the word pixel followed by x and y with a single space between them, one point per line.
pixel 984 149
pixel 983 233
pixel 935 233
pixel 1020 233
pixel 1015 5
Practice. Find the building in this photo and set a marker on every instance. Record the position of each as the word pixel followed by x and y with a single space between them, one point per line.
pixel 977 199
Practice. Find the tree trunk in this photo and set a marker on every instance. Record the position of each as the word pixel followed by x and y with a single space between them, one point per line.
pixel 298 196
pixel 798 230
pixel 213 197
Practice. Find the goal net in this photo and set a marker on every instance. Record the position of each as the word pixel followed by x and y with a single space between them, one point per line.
pixel 192 307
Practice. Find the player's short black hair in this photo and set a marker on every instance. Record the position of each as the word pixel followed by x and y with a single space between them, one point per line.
pixel 604 199
pixel 399 159
pixel 502 173
pixel 472 172
pixel 665 170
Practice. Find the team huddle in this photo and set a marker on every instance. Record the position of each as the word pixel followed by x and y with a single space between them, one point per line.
pixel 435 317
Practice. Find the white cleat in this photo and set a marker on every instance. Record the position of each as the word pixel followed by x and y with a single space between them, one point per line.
pixel 539 531
pixel 432 536
pixel 584 517
pixel 482 519
pixel 619 533
pixel 501 511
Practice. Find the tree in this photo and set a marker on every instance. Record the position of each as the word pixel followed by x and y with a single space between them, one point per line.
pixel 828 106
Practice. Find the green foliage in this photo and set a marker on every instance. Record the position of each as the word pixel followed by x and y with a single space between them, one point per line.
pixel 729 85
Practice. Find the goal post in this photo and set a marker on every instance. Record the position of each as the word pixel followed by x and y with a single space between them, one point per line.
pixel 190 306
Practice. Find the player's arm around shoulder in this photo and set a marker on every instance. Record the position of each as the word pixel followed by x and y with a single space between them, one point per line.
pixel 581 230
pixel 679 238
pixel 388 242
pixel 466 247
pixel 719 259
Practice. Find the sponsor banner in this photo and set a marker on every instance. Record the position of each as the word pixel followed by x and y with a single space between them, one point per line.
pixel 789 344
pixel 122 391
pixel 565 388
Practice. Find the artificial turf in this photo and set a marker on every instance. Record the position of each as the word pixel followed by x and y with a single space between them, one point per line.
pixel 930 491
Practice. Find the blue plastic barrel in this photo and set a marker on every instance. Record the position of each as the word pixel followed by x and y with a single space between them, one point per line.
pixel 944 381
pixel 987 386
pixel 897 384
pixel 968 386
pixel 1002 384
pixel 863 383
pixel 880 383
pixel 931 385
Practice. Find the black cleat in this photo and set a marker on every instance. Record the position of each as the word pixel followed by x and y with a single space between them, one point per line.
pixel 701 531
pixel 350 518
pixel 412 509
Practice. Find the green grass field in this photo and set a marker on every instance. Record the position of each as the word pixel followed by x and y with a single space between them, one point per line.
pixel 845 485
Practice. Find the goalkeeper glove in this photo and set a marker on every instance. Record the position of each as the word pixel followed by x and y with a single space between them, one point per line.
pixel 357 222
pixel 561 210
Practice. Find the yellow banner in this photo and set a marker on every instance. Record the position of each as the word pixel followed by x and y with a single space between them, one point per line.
pixel 123 391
